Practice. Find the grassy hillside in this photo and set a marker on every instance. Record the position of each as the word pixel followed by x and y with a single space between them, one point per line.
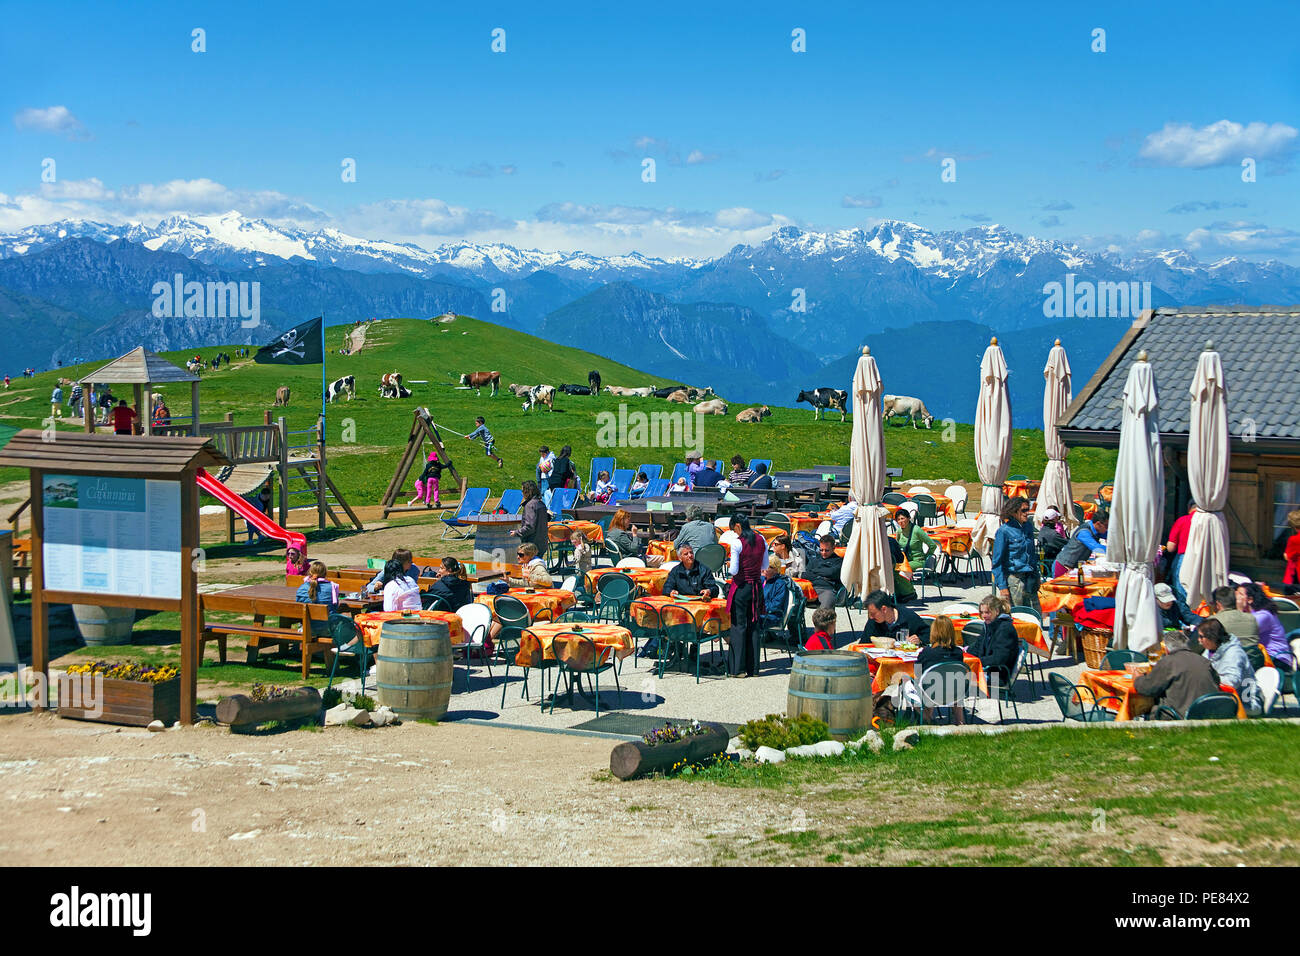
pixel 438 352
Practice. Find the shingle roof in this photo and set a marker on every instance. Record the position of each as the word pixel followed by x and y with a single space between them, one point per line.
pixel 1260 350
pixel 139 367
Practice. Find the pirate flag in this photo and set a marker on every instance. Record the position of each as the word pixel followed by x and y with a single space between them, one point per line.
pixel 301 345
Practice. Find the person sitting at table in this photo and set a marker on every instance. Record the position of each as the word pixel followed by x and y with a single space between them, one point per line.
pixel 1052 535
pixel 1240 624
pixel 761 480
pixel 903 589
pixel 532 569
pixel 792 558
pixel 999 647
pixel 678 486
pixel 708 476
pixel 916 544
pixel 317 588
pixel 1252 600
pixel 639 484
pixel 776 591
pixel 942 649
pixel 890 620
pixel 401 592
pixel 1088 540
pixel 626 542
pixel 823 635
pixel 604 488
pixel 1015 556
pixel 1179 677
pixel 824 569
pixel 739 474
pixel 451 585
pixel 582 555
pixel 1173 612
pixel 409 569
pixel 838 518
pixel 697 532
pixel 1225 654
pixel 690 577
pixel 295 562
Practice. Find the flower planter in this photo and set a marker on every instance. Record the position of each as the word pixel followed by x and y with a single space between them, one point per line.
pixel 636 759
pixel 109 701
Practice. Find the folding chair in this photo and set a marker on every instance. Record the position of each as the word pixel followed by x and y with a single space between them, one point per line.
pixel 471 504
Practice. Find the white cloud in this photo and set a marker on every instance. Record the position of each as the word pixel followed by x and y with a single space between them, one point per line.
pixel 1224 143
pixel 861 202
pixel 413 218
pixel 51 119
pixel 1239 238
pixel 696 157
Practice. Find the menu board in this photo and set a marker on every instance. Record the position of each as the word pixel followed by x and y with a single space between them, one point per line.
pixel 112 535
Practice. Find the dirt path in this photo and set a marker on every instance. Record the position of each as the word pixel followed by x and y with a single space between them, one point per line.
pixel 357 339
pixel 413 794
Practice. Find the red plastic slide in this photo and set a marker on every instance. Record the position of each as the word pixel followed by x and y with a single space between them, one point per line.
pixel 249 512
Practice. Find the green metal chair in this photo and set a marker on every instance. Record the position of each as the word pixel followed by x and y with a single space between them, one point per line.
pixel 783 631
pixel 713 557
pixel 1079 703
pixel 927 509
pixel 893 498
pixel 512 614
pixel 777 520
pixel 1006 690
pixel 680 632
pixel 850 603
pixel 616 593
pixel 576 655
pixel 1216 706
pixel 845 533
pixel 928 573
pixel 1116 659
pixel 645 624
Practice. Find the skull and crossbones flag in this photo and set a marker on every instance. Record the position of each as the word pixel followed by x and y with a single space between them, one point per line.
pixel 301 345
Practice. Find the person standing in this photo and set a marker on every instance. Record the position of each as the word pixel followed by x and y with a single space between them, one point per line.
pixel 1177 547
pixel 1015 557
pixel 745 597
pixel 426 486
pixel 56 403
pixel 545 464
pixel 123 418
pixel 536 524
pixel 562 473
pixel 1291 576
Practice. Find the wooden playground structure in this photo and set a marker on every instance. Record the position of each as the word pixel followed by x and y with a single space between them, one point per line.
pixel 422 429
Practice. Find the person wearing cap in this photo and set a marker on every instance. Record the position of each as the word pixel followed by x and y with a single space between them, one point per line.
pixel 696 532
pixel 1174 612
pixel 1052 535
pixel 694 465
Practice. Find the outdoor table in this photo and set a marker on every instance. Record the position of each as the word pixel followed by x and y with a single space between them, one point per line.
pixel 1132 704
pixel 1021 488
pixel 806 520
pixel 806 587
pixel 559 531
pixel 839 474
pixel 540 637
pixel 1027 630
pixel 769 531
pixel 492 538
pixel 942 503
pixel 1089 508
pixel 371 625
pixel 649 580
pixel 665 549
pixel 891 666
pixel 1065 592
pixel 536 600
pixel 699 610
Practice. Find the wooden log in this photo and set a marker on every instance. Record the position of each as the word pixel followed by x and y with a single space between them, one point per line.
pixel 635 758
pixel 240 710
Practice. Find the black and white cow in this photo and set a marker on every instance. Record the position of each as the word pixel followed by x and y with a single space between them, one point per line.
pixel 822 398
pixel 390 386
pixel 576 389
pixel 539 395
pixel 667 390
pixel 593 383
pixel 347 385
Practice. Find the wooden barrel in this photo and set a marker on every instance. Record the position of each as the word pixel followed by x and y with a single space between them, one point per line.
pixel 834 686
pixel 414 668
pixel 104 625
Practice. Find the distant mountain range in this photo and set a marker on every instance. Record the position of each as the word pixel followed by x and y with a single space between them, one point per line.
pixel 756 323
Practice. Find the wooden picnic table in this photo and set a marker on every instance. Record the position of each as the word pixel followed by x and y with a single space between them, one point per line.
pixel 262 601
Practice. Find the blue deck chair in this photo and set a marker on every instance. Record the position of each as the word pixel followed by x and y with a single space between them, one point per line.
pixel 471 504
pixel 680 470
pixel 562 500
pixel 622 479
pixel 651 471
pixel 657 488
pixel 597 466
pixel 755 462
pixel 511 501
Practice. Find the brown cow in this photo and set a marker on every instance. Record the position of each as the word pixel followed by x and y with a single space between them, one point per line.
pixel 754 415
pixel 282 396
pixel 476 381
pixel 679 396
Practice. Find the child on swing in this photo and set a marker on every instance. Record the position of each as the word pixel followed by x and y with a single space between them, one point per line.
pixel 426 486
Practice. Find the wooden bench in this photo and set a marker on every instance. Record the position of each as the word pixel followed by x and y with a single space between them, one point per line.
pixel 294 627
pixel 22 562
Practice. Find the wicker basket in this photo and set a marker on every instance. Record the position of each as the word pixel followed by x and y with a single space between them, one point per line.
pixel 1095 641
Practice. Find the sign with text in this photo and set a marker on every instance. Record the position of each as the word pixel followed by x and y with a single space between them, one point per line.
pixel 112 535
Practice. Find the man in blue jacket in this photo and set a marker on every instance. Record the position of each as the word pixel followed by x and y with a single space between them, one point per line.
pixel 1015 556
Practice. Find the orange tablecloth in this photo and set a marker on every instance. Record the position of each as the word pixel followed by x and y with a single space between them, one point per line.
pixel 701 611
pixel 890 669
pixel 551 599
pixel 664 549
pixel 1021 488
pixel 649 580
pixel 372 624
pixel 1065 592
pixel 806 587
pixel 559 531
pixel 951 540
pixel 1132 704
pixel 942 504
pixel 805 520
pixel 611 637
pixel 1089 508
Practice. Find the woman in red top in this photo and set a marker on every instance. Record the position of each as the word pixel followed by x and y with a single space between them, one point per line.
pixel 745 597
pixel 1177 546
pixel 123 418
pixel 1291 577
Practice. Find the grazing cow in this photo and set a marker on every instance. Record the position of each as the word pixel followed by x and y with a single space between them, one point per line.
pixel 593 382
pixel 913 408
pixel 347 385
pixel 518 391
pixel 714 406
pixel 821 398
pixel 754 415
pixel 667 390
pixel 540 395
pixel 391 386
pixel 282 396
pixel 576 389
pixel 476 381
pixel 699 394
pixel 681 395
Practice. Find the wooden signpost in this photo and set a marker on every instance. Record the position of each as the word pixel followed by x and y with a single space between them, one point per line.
pixel 115 523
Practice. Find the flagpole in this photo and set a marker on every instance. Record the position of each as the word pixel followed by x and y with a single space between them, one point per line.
pixel 322 375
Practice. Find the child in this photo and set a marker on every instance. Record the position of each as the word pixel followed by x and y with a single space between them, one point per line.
pixel 426 486
pixel 604 488
pixel 823 638
pixel 488 444
pixel 295 562
pixel 640 484
pixel 582 559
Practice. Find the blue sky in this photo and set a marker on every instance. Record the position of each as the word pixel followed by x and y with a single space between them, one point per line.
pixel 1137 147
